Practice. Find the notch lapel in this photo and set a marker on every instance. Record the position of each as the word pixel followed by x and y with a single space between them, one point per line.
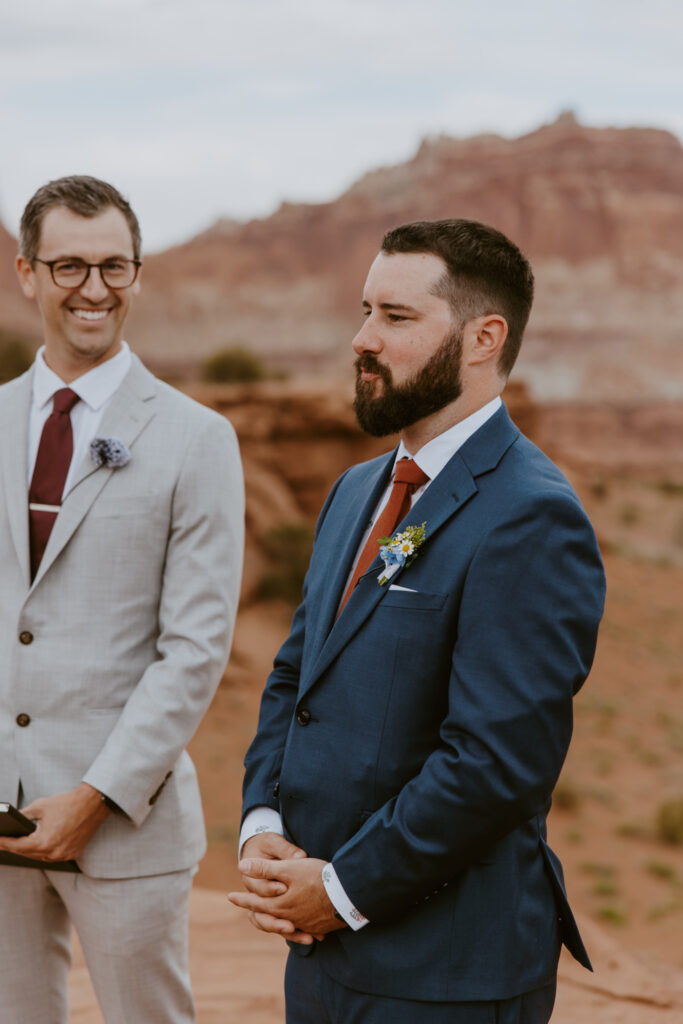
pixel 14 457
pixel 353 515
pixel 440 502
pixel 446 495
pixel 128 414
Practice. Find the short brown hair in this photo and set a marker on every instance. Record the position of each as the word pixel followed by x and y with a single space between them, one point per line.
pixel 485 273
pixel 81 194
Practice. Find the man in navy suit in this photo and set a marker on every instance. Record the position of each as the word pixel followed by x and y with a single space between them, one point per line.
pixel 417 717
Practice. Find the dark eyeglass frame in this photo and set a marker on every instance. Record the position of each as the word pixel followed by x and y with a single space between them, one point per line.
pixel 88 267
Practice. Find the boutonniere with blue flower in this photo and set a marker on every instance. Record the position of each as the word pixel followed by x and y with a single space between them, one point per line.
pixel 400 550
pixel 111 452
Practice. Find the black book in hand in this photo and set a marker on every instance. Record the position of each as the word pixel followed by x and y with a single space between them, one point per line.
pixel 14 823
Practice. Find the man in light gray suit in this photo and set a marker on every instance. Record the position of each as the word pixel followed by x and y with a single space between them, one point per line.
pixel 121 536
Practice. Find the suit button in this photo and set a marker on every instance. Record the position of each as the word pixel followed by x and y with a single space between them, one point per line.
pixel 25 637
pixel 303 716
pixel 276 790
pixel 23 720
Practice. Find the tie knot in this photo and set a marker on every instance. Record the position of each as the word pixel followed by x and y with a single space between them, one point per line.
pixel 64 400
pixel 408 472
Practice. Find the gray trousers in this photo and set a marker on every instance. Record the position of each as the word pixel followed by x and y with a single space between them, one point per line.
pixel 134 935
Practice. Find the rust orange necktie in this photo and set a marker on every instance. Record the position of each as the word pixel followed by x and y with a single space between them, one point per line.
pixel 407 478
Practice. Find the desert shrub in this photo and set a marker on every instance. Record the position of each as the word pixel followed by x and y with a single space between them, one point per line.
pixel 612 915
pixel 672 488
pixel 597 869
pixel 629 513
pixel 669 824
pixel 233 364
pixel 566 795
pixel 288 547
pixel 605 887
pixel 599 486
pixel 16 355
pixel 660 870
pixel 631 830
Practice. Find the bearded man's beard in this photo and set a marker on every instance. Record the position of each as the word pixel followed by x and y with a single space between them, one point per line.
pixel 434 386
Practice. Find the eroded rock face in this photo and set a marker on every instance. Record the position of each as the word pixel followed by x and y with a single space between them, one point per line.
pixel 598 211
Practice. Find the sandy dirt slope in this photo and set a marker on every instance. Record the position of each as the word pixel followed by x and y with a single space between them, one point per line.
pixel 237 977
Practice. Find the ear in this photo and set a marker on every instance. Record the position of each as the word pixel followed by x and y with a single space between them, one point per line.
pixel 487 336
pixel 25 274
pixel 135 287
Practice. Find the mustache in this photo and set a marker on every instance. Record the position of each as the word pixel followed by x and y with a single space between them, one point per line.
pixel 371 364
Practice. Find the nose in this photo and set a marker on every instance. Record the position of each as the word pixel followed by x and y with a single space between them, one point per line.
pixel 368 338
pixel 94 288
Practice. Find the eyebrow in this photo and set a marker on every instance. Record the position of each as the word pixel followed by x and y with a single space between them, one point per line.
pixel 392 305
pixel 73 256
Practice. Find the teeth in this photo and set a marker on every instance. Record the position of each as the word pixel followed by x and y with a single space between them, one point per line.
pixel 90 314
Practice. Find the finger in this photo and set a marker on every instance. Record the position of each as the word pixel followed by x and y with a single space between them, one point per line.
pixel 32 810
pixel 263 887
pixel 268 923
pixel 270 844
pixel 269 869
pixel 247 901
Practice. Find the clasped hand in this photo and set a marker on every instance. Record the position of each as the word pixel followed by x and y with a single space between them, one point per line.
pixel 284 890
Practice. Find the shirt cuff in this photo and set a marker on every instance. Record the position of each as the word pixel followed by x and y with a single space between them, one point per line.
pixel 340 901
pixel 260 819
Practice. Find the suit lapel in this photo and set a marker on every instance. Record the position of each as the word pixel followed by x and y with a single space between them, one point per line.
pixel 129 412
pixel 14 457
pixel 453 487
pixel 353 516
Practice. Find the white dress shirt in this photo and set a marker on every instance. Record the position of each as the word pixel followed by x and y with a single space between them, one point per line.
pixel 431 459
pixel 95 389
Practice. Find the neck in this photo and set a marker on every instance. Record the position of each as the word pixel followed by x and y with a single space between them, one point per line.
pixel 70 369
pixel 421 433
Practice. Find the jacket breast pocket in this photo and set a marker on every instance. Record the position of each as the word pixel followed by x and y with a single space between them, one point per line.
pixel 118 508
pixel 414 599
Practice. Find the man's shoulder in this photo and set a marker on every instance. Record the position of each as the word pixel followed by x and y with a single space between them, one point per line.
pixel 176 406
pixel 11 388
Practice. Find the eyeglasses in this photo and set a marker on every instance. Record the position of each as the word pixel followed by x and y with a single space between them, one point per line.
pixel 73 273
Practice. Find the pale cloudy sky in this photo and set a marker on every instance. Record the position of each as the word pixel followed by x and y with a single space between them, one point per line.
pixel 203 108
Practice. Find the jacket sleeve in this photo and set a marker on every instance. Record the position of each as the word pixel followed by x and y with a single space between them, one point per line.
pixel 526 634
pixel 197 609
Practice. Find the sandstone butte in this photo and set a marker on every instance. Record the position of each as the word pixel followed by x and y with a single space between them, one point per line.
pixel 598 210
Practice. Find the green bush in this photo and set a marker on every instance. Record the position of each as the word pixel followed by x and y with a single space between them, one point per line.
pixel 16 355
pixel 288 547
pixel 233 364
pixel 670 822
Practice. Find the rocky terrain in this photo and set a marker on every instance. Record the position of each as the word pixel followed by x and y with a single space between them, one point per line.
pixel 598 210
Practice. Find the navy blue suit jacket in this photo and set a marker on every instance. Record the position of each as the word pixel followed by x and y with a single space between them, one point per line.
pixel 436 723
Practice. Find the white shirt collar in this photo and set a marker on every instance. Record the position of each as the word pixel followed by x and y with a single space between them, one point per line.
pixel 94 387
pixel 434 455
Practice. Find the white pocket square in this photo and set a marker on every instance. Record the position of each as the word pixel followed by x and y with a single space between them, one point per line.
pixel 406 590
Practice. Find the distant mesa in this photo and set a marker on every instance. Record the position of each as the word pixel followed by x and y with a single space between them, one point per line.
pixel 598 210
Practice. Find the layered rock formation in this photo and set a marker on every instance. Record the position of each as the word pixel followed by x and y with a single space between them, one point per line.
pixel 599 212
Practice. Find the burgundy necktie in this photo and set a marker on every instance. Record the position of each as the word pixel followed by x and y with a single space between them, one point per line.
pixel 49 474
pixel 407 478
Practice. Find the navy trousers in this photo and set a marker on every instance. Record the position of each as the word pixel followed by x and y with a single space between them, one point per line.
pixel 312 997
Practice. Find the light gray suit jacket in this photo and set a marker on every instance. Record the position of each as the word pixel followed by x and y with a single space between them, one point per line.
pixel 131 616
